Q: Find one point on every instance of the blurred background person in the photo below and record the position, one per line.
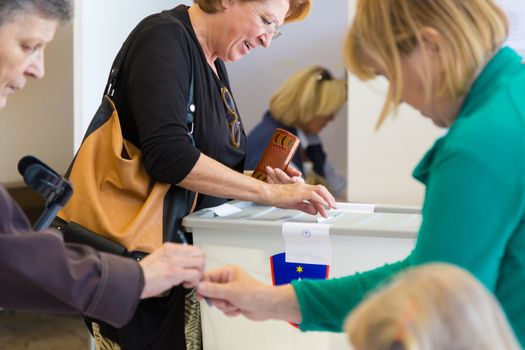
(303, 105)
(434, 306)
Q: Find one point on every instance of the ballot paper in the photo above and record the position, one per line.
(307, 243)
(225, 209)
(364, 208)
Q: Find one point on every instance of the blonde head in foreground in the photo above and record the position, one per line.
(432, 307)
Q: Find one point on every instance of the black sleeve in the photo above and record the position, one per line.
(158, 77)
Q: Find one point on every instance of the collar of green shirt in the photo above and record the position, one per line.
(506, 62)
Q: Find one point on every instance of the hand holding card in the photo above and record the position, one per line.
(278, 153)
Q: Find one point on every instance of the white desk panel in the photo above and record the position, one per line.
(248, 238)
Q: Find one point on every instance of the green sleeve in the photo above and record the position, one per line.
(464, 223)
(325, 304)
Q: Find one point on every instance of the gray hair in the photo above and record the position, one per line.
(61, 10)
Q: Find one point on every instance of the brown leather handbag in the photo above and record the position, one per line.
(114, 196)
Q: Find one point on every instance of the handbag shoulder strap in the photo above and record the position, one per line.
(119, 61)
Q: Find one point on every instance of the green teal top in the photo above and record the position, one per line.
(474, 208)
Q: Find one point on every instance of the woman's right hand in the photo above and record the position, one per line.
(312, 199)
(234, 292)
(171, 265)
(289, 191)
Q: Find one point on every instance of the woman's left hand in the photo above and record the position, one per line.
(277, 176)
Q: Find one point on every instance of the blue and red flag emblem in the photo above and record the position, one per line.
(285, 272)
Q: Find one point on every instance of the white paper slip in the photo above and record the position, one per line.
(307, 243)
(356, 207)
(331, 214)
(225, 209)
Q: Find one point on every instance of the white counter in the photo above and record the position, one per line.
(359, 241)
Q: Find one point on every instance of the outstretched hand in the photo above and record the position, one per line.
(234, 292)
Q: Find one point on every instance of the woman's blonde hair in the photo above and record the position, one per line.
(384, 31)
(435, 306)
(298, 10)
(309, 93)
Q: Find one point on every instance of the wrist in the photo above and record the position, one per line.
(261, 192)
(284, 305)
(267, 193)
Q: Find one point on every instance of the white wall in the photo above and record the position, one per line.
(516, 11)
(39, 119)
(317, 40)
(380, 163)
(101, 27)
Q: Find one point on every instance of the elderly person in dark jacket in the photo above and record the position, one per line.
(38, 272)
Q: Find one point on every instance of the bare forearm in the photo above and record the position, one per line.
(213, 178)
(282, 304)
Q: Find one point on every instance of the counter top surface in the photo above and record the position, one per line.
(385, 221)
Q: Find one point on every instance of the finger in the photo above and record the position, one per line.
(182, 250)
(298, 180)
(322, 210)
(189, 278)
(292, 171)
(188, 263)
(233, 314)
(220, 275)
(282, 176)
(213, 290)
(307, 208)
(229, 308)
(320, 204)
(328, 197)
(271, 177)
(317, 199)
(223, 305)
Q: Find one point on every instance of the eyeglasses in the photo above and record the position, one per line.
(233, 122)
(270, 26)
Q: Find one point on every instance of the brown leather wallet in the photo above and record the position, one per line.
(278, 154)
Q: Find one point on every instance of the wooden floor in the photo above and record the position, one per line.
(19, 331)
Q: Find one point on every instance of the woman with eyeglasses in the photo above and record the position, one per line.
(304, 105)
(167, 52)
(152, 93)
(446, 59)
